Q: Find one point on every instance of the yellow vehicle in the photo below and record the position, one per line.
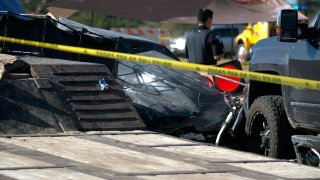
(253, 33)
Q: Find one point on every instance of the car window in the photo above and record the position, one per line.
(226, 32)
(136, 47)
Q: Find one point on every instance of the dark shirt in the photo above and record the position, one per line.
(202, 45)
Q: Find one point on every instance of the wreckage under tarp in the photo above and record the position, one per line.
(167, 100)
(51, 96)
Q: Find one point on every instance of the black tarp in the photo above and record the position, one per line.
(167, 99)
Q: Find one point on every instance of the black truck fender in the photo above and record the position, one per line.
(275, 63)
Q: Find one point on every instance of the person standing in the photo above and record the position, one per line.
(203, 46)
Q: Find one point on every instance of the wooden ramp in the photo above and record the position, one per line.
(134, 155)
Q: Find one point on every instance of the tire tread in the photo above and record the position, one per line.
(280, 129)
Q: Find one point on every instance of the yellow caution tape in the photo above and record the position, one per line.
(165, 38)
(247, 63)
(275, 79)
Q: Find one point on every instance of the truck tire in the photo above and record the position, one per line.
(270, 132)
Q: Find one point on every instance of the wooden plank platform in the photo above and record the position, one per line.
(134, 155)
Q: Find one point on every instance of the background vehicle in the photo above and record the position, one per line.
(227, 34)
(253, 33)
(276, 112)
(178, 45)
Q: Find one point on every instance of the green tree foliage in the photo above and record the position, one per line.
(312, 7)
(35, 6)
(102, 21)
(107, 22)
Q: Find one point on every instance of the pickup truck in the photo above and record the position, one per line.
(276, 112)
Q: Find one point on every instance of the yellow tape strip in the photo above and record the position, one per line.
(275, 79)
(247, 63)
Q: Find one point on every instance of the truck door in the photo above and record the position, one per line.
(305, 103)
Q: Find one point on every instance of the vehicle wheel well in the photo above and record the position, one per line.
(257, 89)
(239, 42)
